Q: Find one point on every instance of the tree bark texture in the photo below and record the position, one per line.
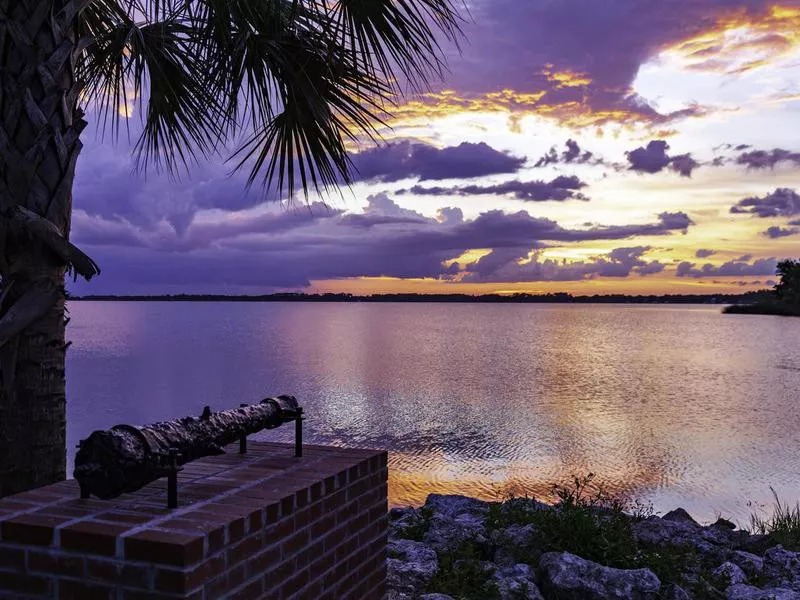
(126, 458)
(40, 125)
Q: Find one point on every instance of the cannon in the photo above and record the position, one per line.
(125, 458)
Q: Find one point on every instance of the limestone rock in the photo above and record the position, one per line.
(749, 592)
(749, 563)
(411, 565)
(514, 544)
(517, 583)
(569, 577)
(730, 573)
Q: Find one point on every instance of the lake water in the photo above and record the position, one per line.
(676, 405)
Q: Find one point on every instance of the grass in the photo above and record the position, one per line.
(463, 576)
(783, 525)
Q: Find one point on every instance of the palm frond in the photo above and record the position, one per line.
(299, 77)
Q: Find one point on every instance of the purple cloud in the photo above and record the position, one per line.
(406, 159)
(654, 158)
(703, 253)
(578, 58)
(269, 249)
(735, 268)
(776, 232)
(783, 202)
(767, 159)
(503, 265)
(561, 188)
(572, 155)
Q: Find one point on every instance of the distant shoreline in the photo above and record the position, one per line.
(763, 308)
(735, 299)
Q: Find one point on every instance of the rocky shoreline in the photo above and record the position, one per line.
(459, 548)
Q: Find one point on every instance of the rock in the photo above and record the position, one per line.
(515, 544)
(725, 524)
(730, 573)
(569, 577)
(675, 592)
(517, 583)
(454, 521)
(661, 533)
(781, 567)
(435, 597)
(680, 515)
(411, 565)
(452, 506)
(748, 592)
(448, 534)
(751, 564)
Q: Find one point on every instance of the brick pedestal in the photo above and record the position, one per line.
(259, 525)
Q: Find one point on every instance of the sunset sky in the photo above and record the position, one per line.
(585, 146)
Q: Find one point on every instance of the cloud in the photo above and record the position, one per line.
(409, 159)
(764, 159)
(779, 232)
(503, 265)
(576, 61)
(654, 158)
(735, 268)
(783, 202)
(271, 249)
(703, 253)
(561, 188)
(572, 155)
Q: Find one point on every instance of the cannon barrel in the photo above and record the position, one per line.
(126, 458)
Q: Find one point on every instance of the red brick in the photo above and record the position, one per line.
(27, 584)
(92, 537)
(295, 583)
(31, 530)
(250, 591)
(164, 547)
(52, 563)
(246, 548)
(79, 590)
(12, 558)
(182, 581)
(295, 543)
(259, 563)
(214, 530)
(118, 573)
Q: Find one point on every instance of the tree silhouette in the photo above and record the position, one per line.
(293, 80)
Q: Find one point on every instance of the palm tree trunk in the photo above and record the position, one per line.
(40, 125)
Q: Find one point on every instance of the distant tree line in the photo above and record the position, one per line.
(783, 300)
(561, 298)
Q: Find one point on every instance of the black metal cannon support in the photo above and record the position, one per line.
(126, 458)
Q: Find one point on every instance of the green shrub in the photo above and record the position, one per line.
(783, 524)
(463, 575)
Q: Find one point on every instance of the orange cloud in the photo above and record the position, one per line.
(739, 42)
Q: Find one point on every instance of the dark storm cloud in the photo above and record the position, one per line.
(654, 158)
(561, 188)
(406, 159)
(278, 250)
(514, 44)
(767, 159)
(783, 202)
(776, 232)
(703, 253)
(735, 268)
(503, 265)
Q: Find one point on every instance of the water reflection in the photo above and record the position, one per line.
(677, 405)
